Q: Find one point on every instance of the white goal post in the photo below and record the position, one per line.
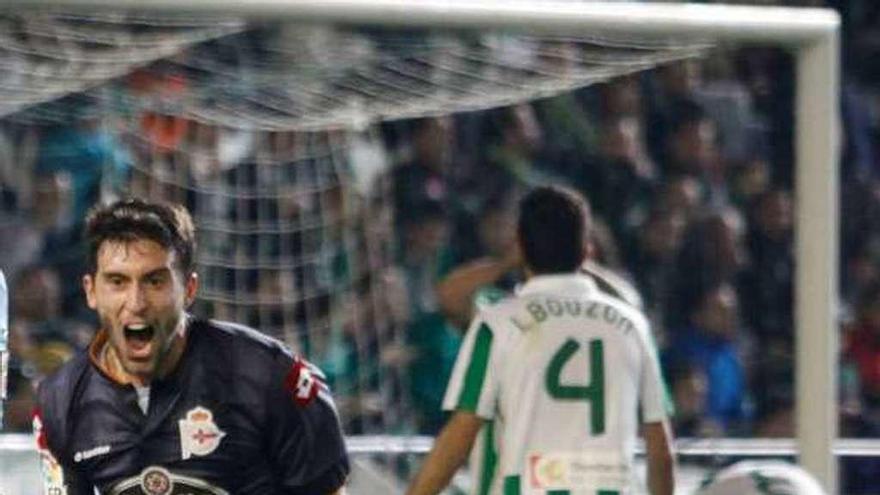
(812, 35)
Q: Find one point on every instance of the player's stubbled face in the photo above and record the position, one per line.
(140, 298)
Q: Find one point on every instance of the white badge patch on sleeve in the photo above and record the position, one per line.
(53, 474)
(199, 435)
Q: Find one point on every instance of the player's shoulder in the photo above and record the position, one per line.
(557, 291)
(499, 310)
(237, 337)
(57, 395)
(57, 389)
(624, 308)
(249, 351)
(612, 283)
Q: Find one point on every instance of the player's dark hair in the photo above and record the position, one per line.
(128, 220)
(553, 228)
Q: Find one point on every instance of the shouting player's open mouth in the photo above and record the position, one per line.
(138, 340)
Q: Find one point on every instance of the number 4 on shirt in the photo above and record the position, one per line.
(594, 392)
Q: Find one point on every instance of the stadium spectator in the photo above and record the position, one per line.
(768, 73)
(570, 130)
(711, 343)
(652, 261)
(767, 282)
(712, 252)
(863, 346)
(426, 176)
(42, 230)
(40, 340)
(773, 379)
(36, 305)
(514, 145)
(329, 339)
(88, 153)
(681, 195)
(749, 180)
(425, 257)
(689, 385)
(691, 149)
(621, 179)
(25, 374)
(492, 273)
(668, 85)
(860, 242)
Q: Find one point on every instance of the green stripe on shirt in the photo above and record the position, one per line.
(476, 371)
(511, 485)
(490, 458)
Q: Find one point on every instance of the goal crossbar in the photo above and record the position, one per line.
(735, 23)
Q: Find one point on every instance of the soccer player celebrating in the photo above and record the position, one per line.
(563, 372)
(164, 403)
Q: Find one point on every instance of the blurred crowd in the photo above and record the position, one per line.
(689, 170)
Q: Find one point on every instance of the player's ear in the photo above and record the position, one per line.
(192, 287)
(88, 282)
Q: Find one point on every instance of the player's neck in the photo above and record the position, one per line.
(175, 352)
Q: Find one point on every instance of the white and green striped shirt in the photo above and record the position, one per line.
(563, 371)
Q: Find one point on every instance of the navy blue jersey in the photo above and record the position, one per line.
(239, 415)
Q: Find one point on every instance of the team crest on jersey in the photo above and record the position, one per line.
(199, 435)
(301, 383)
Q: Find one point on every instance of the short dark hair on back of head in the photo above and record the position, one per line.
(127, 220)
(553, 226)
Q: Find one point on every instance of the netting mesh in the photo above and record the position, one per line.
(227, 72)
(263, 131)
(47, 56)
(288, 246)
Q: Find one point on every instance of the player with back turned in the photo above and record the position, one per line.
(164, 403)
(563, 371)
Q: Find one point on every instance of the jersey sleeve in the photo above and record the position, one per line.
(653, 396)
(305, 438)
(473, 385)
(55, 478)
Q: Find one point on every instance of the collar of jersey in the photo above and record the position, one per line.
(568, 283)
(105, 361)
(101, 359)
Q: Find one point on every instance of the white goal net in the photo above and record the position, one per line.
(263, 130)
